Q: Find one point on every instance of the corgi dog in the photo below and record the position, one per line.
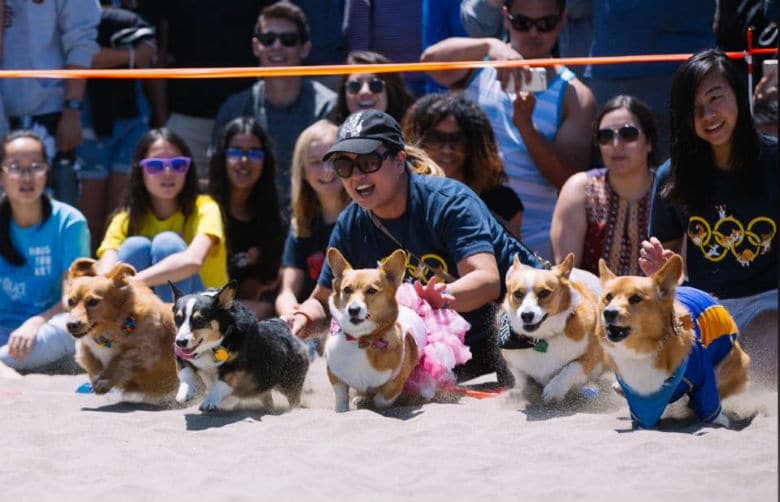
(665, 341)
(238, 358)
(124, 333)
(552, 329)
(376, 347)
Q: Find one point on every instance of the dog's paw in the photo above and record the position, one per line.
(381, 402)
(554, 391)
(185, 393)
(722, 420)
(209, 405)
(618, 389)
(341, 407)
(101, 385)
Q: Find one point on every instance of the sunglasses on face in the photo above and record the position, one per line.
(627, 134)
(437, 139)
(269, 37)
(254, 155)
(178, 165)
(366, 163)
(17, 171)
(544, 24)
(375, 85)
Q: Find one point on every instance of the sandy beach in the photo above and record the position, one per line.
(62, 445)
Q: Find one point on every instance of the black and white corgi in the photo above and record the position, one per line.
(238, 358)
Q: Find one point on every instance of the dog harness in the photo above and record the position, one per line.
(715, 334)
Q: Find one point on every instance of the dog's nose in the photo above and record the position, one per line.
(181, 342)
(610, 315)
(73, 326)
(353, 311)
(527, 316)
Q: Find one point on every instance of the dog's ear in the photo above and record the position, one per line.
(81, 267)
(338, 264)
(605, 274)
(668, 276)
(227, 294)
(120, 272)
(176, 291)
(394, 267)
(563, 269)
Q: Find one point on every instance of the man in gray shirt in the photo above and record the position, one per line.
(284, 106)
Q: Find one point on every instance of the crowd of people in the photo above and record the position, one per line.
(196, 182)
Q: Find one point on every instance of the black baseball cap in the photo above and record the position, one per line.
(365, 131)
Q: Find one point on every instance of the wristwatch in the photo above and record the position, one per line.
(72, 104)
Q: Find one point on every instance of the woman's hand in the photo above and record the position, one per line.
(435, 293)
(652, 256)
(22, 340)
(298, 323)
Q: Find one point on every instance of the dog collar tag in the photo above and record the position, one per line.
(540, 346)
(221, 355)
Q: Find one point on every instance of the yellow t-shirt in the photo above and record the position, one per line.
(206, 218)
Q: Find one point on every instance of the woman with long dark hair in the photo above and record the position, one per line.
(241, 180)
(717, 198)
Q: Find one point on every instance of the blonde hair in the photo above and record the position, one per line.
(305, 203)
(421, 162)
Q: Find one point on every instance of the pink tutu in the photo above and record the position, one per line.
(445, 331)
(440, 351)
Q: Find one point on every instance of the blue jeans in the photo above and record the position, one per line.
(142, 253)
(52, 343)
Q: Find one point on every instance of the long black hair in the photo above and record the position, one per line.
(7, 249)
(263, 201)
(691, 156)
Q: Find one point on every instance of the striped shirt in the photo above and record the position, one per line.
(536, 192)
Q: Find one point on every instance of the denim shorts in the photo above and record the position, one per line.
(102, 156)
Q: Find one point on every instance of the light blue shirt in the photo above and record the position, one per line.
(49, 248)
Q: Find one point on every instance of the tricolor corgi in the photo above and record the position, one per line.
(552, 337)
(666, 341)
(376, 347)
(239, 358)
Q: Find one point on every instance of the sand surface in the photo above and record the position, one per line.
(61, 445)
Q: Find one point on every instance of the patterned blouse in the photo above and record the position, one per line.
(616, 227)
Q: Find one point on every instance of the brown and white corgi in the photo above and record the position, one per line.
(376, 347)
(553, 329)
(666, 341)
(124, 333)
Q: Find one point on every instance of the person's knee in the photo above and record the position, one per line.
(165, 244)
(136, 250)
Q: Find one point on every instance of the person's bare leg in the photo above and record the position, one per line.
(93, 204)
(115, 193)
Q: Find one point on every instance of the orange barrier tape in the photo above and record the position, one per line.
(296, 71)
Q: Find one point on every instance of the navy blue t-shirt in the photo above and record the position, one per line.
(732, 244)
(308, 253)
(445, 222)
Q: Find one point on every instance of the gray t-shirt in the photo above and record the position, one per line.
(315, 102)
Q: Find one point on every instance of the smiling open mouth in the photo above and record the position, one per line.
(186, 353)
(529, 328)
(86, 329)
(617, 333)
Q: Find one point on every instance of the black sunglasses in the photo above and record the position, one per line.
(627, 134)
(544, 24)
(438, 139)
(375, 85)
(366, 163)
(269, 37)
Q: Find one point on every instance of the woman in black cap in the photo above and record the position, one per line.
(465, 252)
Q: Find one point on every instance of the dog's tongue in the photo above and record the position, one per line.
(180, 352)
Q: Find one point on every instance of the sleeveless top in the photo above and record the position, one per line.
(616, 227)
(536, 192)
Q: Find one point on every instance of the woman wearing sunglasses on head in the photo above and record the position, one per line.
(603, 213)
(716, 201)
(241, 180)
(39, 239)
(457, 135)
(164, 228)
(445, 228)
(362, 91)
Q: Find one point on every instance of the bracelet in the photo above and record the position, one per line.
(131, 58)
(446, 291)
